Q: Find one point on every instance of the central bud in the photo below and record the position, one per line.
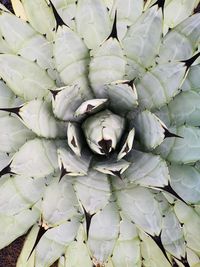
(103, 131)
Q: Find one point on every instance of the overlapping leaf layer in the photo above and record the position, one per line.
(100, 138)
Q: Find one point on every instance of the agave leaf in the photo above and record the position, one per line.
(147, 170)
(191, 222)
(150, 129)
(122, 96)
(77, 252)
(23, 40)
(151, 253)
(7, 98)
(103, 233)
(93, 23)
(192, 81)
(183, 10)
(166, 78)
(20, 193)
(13, 134)
(143, 209)
(72, 165)
(71, 58)
(4, 48)
(107, 64)
(15, 31)
(185, 180)
(138, 49)
(59, 203)
(181, 150)
(74, 138)
(127, 248)
(93, 191)
(37, 116)
(37, 158)
(127, 13)
(54, 242)
(172, 235)
(112, 166)
(25, 252)
(181, 42)
(13, 226)
(65, 101)
(18, 9)
(193, 258)
(40, 16)
(67, 11)
(91, 106)
(26, 79)
(183, 109)
(127, 145)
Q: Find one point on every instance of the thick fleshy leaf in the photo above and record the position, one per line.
(40, 16)
(147, 170)
(107, 65)
(182, 150)
(65, 101)
(18, 9)
(192, 81)
(127, 13)
(191, 222)
(113, 167)
(185, 180)
(93, 191)
(71, 58)
(127, 145)
(139, 205)
(74, 138)
(67, 11)
(13, 226)
(20, 193)
(142, 41)
(15, 31)
(37, 116)
(149, 129)
(183, 109)
(181, 42)
(4, 48)
(13, 134)
(26, 250)
(71, 164)
(193, 258)
(93, 23)
(166, 78)
(4, 159)
(37, 158)
(77, 253)
(22, 39)
(172, 235)
(151, 253)
(54, 242)
(7, 98)
(91, 106)
(103, 131)
(26, 79)
(122, 96)
(183, 10)
(59, 203)
(127, 248)
(103, 233)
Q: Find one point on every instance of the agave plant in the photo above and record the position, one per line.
(100, 138)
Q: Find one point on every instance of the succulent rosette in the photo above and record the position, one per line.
(100, 138)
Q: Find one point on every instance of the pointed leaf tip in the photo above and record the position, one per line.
(59, 20)
(113, 33)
